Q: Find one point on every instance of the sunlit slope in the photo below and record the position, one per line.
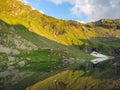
(18, 37)
(61, 31)
(39, 54)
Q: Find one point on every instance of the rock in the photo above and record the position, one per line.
(5, 73)
(28, 59)
(5, 50)
(21, 64)
(11, 67)
(28, 65)
(1, 57)
(10, 64)
(71, 58)
(8, 50)
(11, 59)
(15, 52)
(24, 44)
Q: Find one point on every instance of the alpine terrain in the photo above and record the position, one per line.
(39, 52)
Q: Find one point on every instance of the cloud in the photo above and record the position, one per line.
(93, 9)
(57, 1)
(62, 1)
(80, 21)
(25, 1)
(41, 11)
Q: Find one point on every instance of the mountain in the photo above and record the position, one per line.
(34, 46)
(61, 31)
(23, 52)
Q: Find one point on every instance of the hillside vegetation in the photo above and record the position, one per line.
(61, 31)
(34, 46)
(25, 56)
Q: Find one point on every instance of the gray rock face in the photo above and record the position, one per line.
(11, 77)
(5, 73)
(21, 43)
(8, 50)
(12, 40)
(11, 59)
(15, 41)
(21, 64)
(11, 67)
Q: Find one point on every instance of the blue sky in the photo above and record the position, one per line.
(81, 10)
(61, 11)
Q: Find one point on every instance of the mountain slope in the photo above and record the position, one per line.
(18, 36)
(25, 56)
(34, 46)
(62, 31)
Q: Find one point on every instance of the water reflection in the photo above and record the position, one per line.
(9, 78)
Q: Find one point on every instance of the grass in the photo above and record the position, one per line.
(77, 53)
(46, 30)
(56, 39)
(41, 42)
(41, 61)
(47, 59)
(104, 44)
(3, 61)
(49, 27)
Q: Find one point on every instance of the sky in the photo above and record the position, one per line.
(79, 10)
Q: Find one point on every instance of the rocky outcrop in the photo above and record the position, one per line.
(8, 50)
(10, 41)
(23, 44)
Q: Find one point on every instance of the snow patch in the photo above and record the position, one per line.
(96, 54)
(100, 57)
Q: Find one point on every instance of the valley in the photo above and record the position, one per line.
(39, 52)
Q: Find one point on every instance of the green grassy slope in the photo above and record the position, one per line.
(43, 42)
(40, 55)
(61, 31)
(39, 41)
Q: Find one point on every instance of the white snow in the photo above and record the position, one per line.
(8, 50)
(96, 54)
(100, 58)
